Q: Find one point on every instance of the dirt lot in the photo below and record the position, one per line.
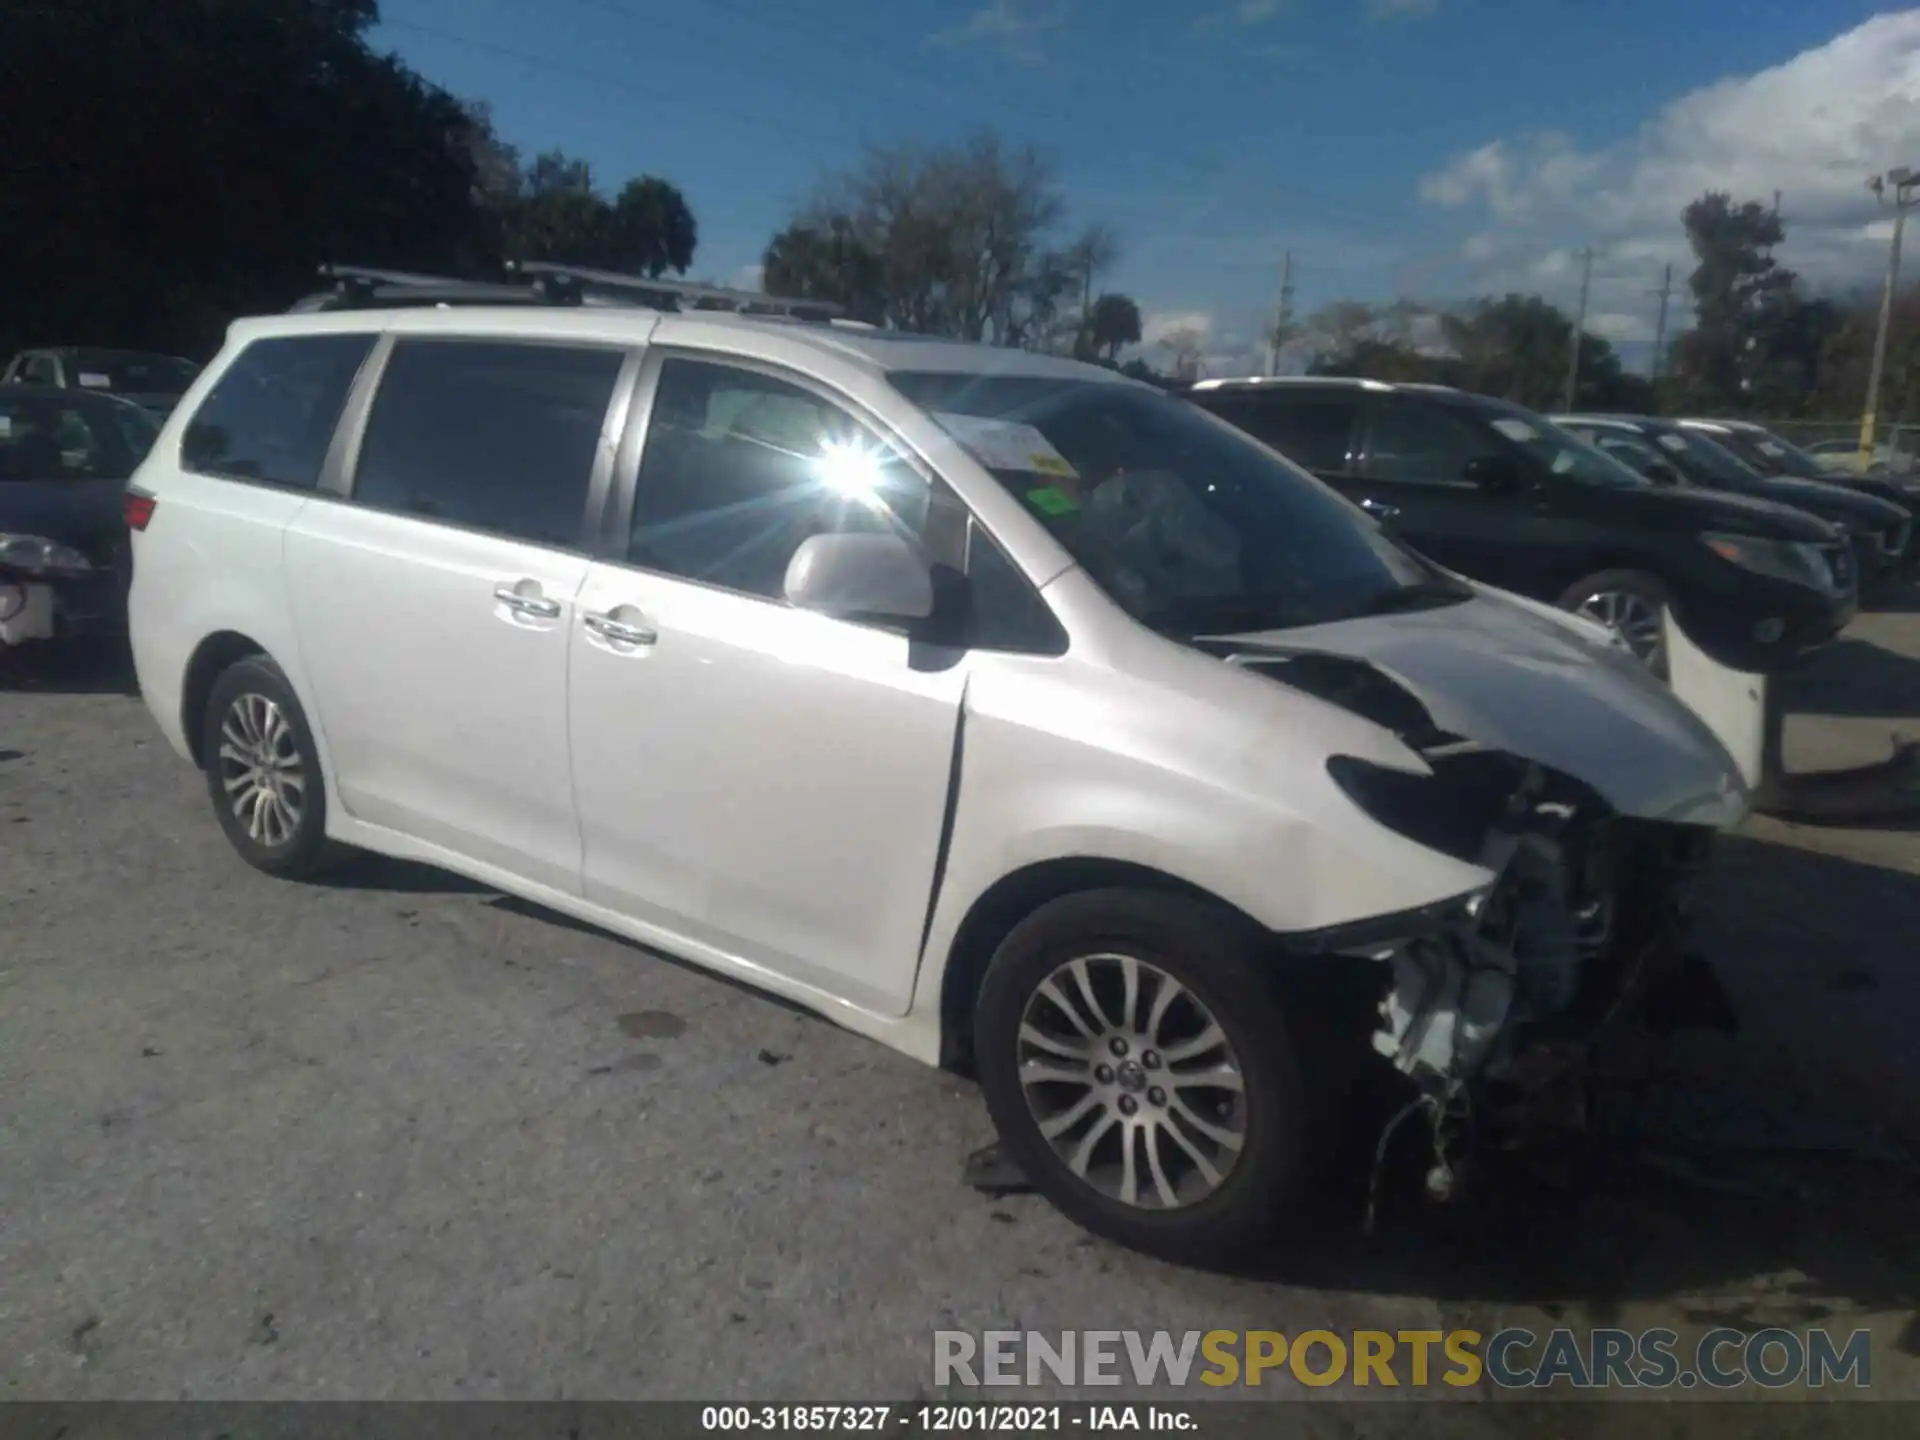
(398, 1136)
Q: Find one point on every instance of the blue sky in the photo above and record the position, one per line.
(1424, 148)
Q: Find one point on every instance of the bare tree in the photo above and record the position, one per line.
(1185, 345)
(960, 237)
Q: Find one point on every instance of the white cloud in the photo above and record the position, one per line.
(1160, 325)
(1812, 128)
(1013, 27)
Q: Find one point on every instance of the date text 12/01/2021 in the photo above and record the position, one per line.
(943, 1419)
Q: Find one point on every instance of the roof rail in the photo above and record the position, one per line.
(680, 294)
(542, 282)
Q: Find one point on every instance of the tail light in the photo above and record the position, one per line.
(137, 508)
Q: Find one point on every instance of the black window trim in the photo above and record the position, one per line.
(610, 547)
(213, 382)
(340, 469)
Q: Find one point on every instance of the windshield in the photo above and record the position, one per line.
(128, 374)
(1560, 451)
(1189, 525)
(1704, 462)
(43, 438)
(1781, 458)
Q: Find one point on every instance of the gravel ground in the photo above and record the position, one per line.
(397, 1136)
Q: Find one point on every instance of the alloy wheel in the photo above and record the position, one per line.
(1132, 1081)
(1634, 618)
(261, 770)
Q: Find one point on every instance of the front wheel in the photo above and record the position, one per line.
(1141, 1073)
(1630, 603)
(263, 770)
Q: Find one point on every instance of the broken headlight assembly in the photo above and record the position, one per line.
(35, 557)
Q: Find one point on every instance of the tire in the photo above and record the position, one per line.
(1632, 586)
(1209, 954)
(252, 705)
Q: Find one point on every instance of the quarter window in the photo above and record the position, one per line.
(740, 468)
(495, 436)
(271, 415)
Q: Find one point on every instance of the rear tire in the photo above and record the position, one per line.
(1165, 1111)
(1631, 603)
(263, 771)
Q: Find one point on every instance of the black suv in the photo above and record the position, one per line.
(1502, 495)
(1667, 452)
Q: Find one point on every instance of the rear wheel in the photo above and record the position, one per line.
(1630, 603)
(263, 771)
(1141, 1073)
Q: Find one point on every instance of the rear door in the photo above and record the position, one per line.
(435, 603)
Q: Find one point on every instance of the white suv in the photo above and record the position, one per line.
(1007, 711)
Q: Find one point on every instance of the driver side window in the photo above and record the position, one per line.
(1423, 444)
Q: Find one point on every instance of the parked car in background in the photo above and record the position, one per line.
(1501, 494)
(1844, 456)
(154, 382)
(1771, 455)
(65, 456)
(1880, 530)
(1006, 710)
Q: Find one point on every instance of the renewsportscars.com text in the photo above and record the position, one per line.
(1722, 1359)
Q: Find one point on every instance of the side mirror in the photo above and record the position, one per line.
(860, 577)
(1493, 472)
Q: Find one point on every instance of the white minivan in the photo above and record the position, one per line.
(995, 706)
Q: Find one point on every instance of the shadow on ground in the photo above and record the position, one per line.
(92, 667)
(1755, 1167)
(1856, 677)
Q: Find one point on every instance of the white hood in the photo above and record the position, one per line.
(1491, 670)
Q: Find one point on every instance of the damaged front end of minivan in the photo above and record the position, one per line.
(1497, 1009)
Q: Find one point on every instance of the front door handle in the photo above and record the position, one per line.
(538, 606)
(618, 631)
(1379, 509)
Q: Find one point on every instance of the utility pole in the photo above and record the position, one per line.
(1665, 292)
(1579, 324)
(1282, 317)
(1904, 182)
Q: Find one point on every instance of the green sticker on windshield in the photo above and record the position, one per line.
(1052, 500)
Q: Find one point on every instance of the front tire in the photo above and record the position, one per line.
(263, 771)
(1632, 604)
(1140, 1071)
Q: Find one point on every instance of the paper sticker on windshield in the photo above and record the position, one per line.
(1051, 500)
(1515, 429)
(1672, 443)
(96, 382)
(1006, 445)
(1767, 447)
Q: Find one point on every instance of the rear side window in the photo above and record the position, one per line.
(1311, 431)
(491, 435)
(271, 415)
(1424, 444)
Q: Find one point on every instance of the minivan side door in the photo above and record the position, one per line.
(434, 602)
(766, 782)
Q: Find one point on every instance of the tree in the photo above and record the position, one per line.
(960, 236)
(1739, 292)
(827, 261)
(202, 157)
(1185, 345)
(651, 229)
(1113, 323)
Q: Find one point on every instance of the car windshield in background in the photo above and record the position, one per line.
(49, 438)
(1701, 460)
(1562, 453)
(127, 374)
(1193, 528)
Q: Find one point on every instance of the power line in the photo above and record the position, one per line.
(1579, 324)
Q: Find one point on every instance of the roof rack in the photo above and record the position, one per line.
(540, 282)
(679, 294)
